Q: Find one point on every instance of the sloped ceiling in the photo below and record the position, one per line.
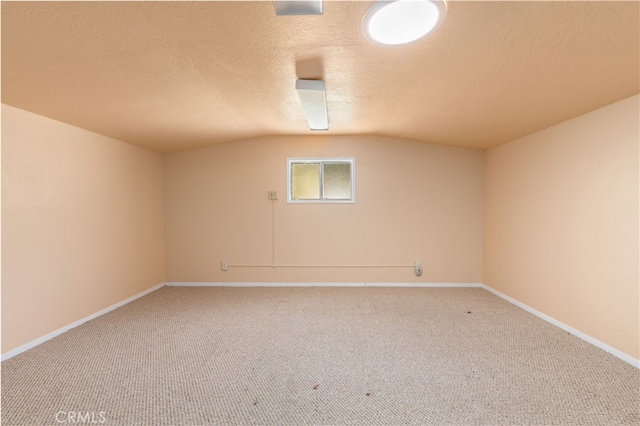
(177, 75)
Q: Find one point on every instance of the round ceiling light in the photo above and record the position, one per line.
(402, 21)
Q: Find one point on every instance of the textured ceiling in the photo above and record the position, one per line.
(177, 75)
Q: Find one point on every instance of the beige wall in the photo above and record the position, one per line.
(415, 201)
(82, 224)
(561, 223)
(86, 219)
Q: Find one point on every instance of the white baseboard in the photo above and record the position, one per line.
(59, 331)
(324, 284)
(613, 351)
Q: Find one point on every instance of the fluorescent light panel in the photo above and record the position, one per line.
(314, 103)
(299, 7)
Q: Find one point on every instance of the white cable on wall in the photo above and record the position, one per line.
(417, 266)
(319, 266)
(273, 232)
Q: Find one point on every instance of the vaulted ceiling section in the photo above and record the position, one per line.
(176, 75)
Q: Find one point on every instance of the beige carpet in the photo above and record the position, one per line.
(298, 356)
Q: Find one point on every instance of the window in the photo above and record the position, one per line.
(321, 180)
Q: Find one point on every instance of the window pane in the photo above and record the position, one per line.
(337, 181)
(305, 181)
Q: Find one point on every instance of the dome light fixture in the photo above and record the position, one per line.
(402, 21)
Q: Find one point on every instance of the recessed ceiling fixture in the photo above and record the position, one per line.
(298, 7)
(314, 102)
(402, 21)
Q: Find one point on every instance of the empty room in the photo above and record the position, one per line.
(399, 212)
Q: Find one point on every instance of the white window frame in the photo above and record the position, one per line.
(323, 160)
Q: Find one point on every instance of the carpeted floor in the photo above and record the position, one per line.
(299, 356)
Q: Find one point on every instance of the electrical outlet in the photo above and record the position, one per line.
(224, 265)
(418, 268)
(273, 195)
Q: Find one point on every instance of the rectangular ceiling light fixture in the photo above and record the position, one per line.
(314, 102)
(299, 7)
